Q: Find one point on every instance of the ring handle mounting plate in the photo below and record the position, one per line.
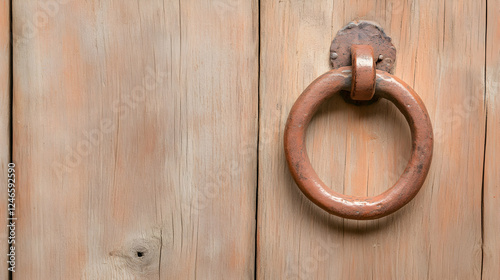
(363, 33)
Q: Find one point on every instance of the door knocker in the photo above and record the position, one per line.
(372, 56)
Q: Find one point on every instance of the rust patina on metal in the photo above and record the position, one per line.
(359, 208)
(363, 73)
(363, 33)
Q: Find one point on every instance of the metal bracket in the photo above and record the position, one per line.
(363, 33)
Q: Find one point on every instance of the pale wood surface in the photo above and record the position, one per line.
(108, 172)
(491, 211)
(4, 124)
(441, 51)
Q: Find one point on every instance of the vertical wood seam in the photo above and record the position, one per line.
(159, 257)
(258, 141)
(485, 131)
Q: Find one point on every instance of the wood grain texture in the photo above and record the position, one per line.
(5, 78)
(136, 131)
(363, 150)
(491, 196)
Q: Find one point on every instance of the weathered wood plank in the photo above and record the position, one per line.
(491, 196)
(5, 78)
(129, 123)
(363, 151)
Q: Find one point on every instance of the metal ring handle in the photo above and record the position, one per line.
(359, 208)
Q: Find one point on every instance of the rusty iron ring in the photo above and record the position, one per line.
(363, 72)
(351, 207)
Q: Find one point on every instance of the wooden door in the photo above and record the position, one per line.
(148, 140)
(129, 121)
(363, 150)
